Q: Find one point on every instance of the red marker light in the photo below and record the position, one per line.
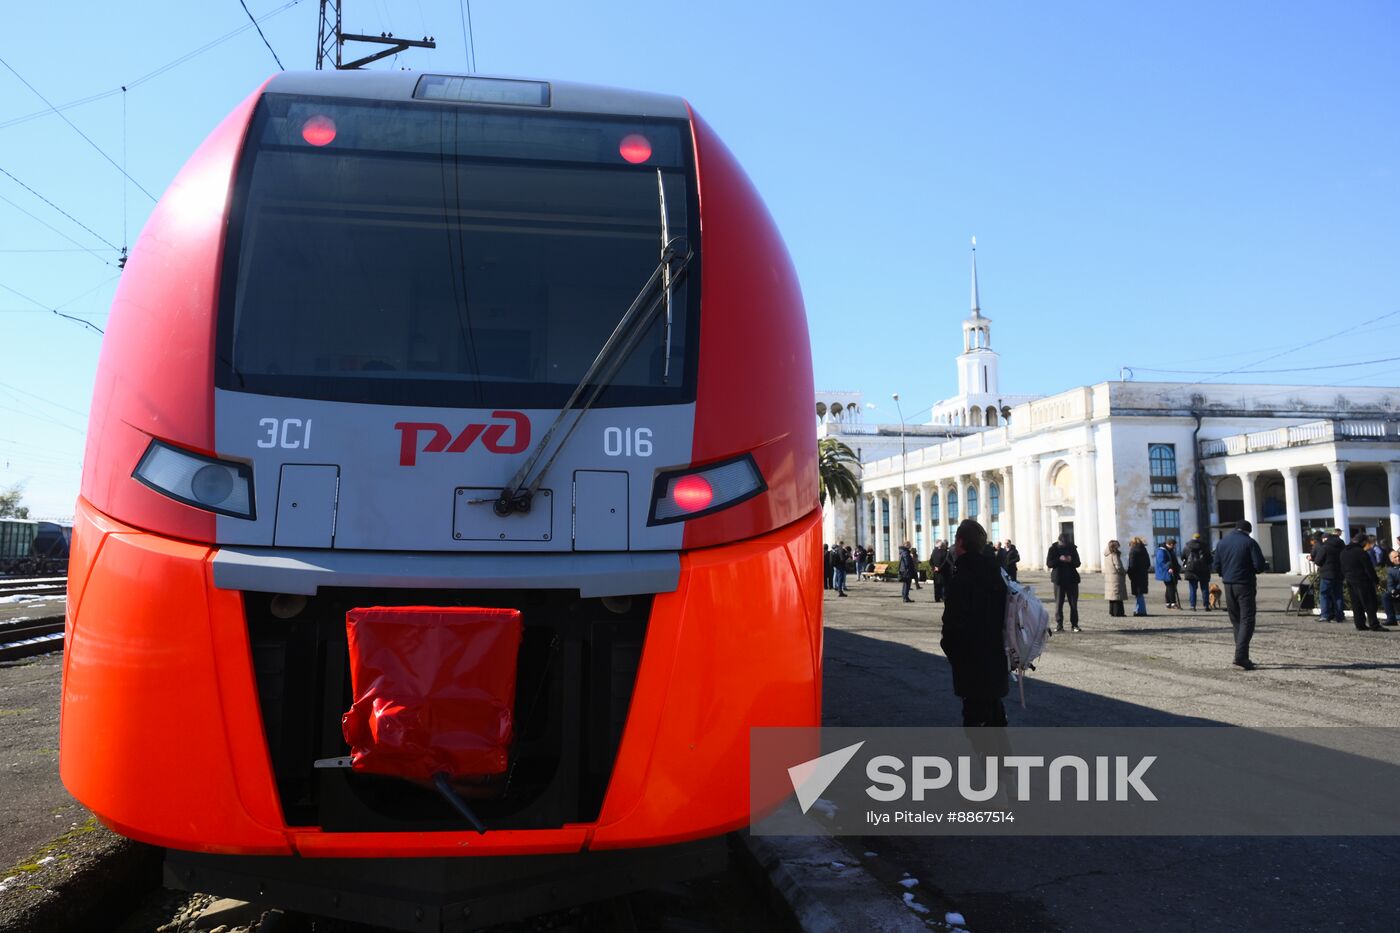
(635, 148)
(318, 131)
(692, 493)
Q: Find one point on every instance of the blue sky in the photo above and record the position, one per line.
(1186, 186)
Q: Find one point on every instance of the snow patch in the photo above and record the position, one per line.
(954, 919)
(872, 855)
(909, 882)
(825, 807)
(914, 905)
(17, 598)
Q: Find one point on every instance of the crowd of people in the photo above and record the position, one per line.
(839, 562)
(967, 574)
(1355, 567)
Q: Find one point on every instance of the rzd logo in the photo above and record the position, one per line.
(491, 436)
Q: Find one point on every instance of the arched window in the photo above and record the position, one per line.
(975, 417)
(918, 515)
(972, 502)
(991, 417)
(953, 510)
(1161, 459)
(933, 508)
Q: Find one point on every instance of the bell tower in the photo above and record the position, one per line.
(977, 364)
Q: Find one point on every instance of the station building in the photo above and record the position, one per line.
(1118, 459)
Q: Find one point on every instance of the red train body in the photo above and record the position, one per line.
(206, 659)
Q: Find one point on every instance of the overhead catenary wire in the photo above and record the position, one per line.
(174, 63)
(10, 175)
(100, 151)
(40, 220)
(6, 385)
(1263, 372)
(69, 317)
(261, 35)
(1248, 368)
(464, 12)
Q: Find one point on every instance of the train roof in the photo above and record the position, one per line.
(563, 96)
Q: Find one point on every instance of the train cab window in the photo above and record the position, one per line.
(421, 254)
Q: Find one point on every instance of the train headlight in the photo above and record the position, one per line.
(682, 494)
(194, 479)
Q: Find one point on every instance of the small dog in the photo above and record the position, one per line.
(1215, 596)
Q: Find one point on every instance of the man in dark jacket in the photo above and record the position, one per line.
(827, 567)
(1327, 557)
(1391, 590)
(1012, 558)
(1239, 561)
(1360, 576)
(973, 634)
(1061, 561)
(940, 568)
(907, 569)
(1195, 567)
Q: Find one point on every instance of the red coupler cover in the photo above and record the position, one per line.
(434, 689)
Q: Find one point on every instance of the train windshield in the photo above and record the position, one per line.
(454, 256)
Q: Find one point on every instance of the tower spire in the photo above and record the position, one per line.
(976, 310)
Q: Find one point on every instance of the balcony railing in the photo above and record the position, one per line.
(1297, 435)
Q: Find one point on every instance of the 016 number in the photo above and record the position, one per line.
(627, 442)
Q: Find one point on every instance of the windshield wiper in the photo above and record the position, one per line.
(665, 278)
(518, 493)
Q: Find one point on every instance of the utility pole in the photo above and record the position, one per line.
(330, 40)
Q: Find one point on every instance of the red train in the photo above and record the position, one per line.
(424, 345)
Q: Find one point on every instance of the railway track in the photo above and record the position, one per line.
(25, 637)
(30, 637)
(33, 586)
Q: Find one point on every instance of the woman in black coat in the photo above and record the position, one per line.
(973, 638)
(1139, 569)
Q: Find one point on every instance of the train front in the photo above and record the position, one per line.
(450, 469)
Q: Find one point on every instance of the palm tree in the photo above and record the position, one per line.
(834, 460)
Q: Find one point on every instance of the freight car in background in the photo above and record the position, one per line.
(33, 548)
(450, 494)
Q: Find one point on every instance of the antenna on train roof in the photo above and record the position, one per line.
(330, 41)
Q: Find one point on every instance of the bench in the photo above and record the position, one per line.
(880, 572)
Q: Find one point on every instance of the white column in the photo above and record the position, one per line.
(1251, 501)
(867, 520)
(1340, 513)
(1293, 520)
(1033, 513)
(984, 501)
(878, 541)
(1392, 476)
(910, 531)
(1212, 504)
(1008, 505)
(896, 497)
(960, 485)
(1086, 510)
